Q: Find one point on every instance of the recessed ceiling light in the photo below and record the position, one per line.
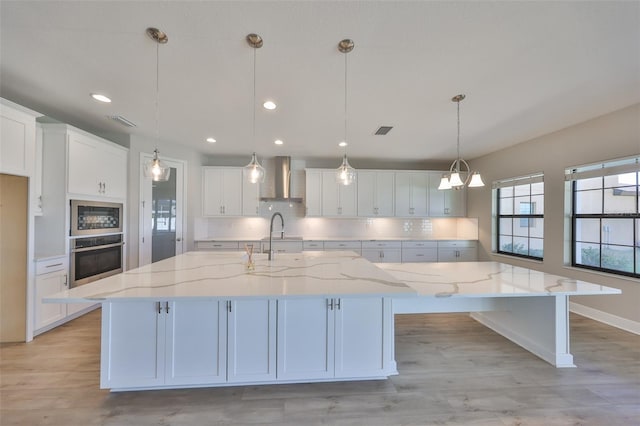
(211, 140)
(278, 142)
(269, 105)
(100, 98)
(342, 144)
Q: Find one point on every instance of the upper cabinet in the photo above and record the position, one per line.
(446, 203)
(313, 192)
(375, 193)
(222, 191)
(337, 200)
(412, 189)
(97, 168)
(250, 198)
(17, 139)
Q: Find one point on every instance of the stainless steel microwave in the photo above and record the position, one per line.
(95, 217)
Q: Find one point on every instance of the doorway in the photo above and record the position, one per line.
(161, 213)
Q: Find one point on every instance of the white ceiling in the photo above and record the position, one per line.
(527, 68)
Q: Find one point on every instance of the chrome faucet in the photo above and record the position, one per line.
(271, 232)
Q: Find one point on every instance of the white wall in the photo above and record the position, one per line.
(611, 136)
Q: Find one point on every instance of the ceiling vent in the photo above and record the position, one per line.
(120, 119)
(383, 130)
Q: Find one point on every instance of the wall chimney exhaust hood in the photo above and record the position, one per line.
(282, 181)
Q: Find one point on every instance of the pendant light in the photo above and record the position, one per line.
(454, 179)
(154, 168)
(254, 172)
(345, 174)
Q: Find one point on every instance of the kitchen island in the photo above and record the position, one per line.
(206, 319)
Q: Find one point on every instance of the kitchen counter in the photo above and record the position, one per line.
(224, 275)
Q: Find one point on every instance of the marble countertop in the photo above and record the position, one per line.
(204, 274)
(487, 279)
(276, 236)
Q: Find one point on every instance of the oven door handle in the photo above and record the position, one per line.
(80, 250)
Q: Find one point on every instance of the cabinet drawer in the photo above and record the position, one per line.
(217, 245)
(53, 264)
(419, 244)
(457, 243)
(419, 255)
(342, 245)
(280, 246)
(313, 245)
(373, 244)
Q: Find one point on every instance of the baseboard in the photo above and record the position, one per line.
(606, 318)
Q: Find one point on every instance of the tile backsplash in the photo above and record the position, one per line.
(296, 224)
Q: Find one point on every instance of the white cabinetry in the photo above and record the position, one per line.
(326, 338)
(51, 278)
(17, 139)
(222, 191)
(337, 200)
(457, 251)
(313, 192)
(448, 202)
(411, 193)
(343, 245)
(282, 246)
(197, 342)
(313, 245)
(96, 168)
(250, 198)
(382, 251)
(375, 193)
(419, 251)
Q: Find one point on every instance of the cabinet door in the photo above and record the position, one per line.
(445, 203)
(348, 198)
(305, 339)
(46, 285)
(403, 194)
(251, 340)
(359, 350)
(367, 194)
(17, 141)
(132, 334)
(313, 192)
(250, 198)
(212, 191)
(84, 158)
(447, 255)
(372, 255)
(420, 194)
(232, 192)
(196, 342)
(113, 172)
(467, 254)
(384, 193)
(330, 195)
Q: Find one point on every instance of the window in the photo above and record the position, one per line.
(605, 216)
(520, 216)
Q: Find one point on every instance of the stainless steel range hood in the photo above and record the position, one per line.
(282, 181)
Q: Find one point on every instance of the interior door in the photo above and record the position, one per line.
(161, 213)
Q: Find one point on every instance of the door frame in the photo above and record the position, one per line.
(145, 237)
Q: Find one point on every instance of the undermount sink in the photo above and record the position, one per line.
(276, 236)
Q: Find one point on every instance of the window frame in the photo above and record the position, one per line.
(512, 183)
(634, 217)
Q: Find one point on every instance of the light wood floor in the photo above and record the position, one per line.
(453, 371)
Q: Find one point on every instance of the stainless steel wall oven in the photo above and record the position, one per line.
(95, 217)
(93, 258)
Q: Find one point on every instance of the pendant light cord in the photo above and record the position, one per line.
(345, 104)
(253, 105)
(157, 94)
(458, 144)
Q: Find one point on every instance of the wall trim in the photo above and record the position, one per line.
(605, 317)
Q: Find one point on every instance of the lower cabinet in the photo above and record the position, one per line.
(321, 338)
(382, 251)
(147, 344)
(187, 343)
(51, 278)
(457, 251)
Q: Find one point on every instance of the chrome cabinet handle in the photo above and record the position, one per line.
(166, 305)
(330, 304)
(159, 304)
(338, 303)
